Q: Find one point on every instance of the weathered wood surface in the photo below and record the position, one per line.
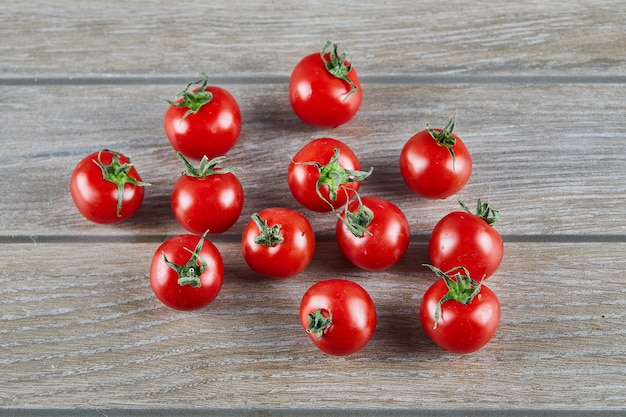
(540, 92)
(145, 38)
(551, 159)
(89, 332)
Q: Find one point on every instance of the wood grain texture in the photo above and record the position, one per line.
(88, 332)
(539, 90)
(246, 37)
(552, 157)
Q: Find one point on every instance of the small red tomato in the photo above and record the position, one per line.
(324, 89)
(469, 240)
(106, 187)
(187, 272)
(373, 233)
(278, 243)
(207, 199)
(322, 174)
(435, 163)
(338, 315)
(459, 314)
(205, 121)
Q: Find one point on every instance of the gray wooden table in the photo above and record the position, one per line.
(539, 89)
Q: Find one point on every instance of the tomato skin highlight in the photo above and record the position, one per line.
(352, 311)
(302, 176)
(164, 280)
(97, 199)
(385, 240)
(319, 98)
(461, 328)
(211, 132)
(286, 259)
(462, 238)
(212, 204)
(428, 168)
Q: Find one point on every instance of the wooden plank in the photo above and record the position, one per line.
(247, 37)
(85, 329)
(548, 156)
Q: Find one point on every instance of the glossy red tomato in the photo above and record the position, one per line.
(465, 239)
(324, 175)
(187, 272)
(207, 199)
(278, 243)
(463, 322)
(338, 315)
(435, 163)
(373, 233)
(324, 89)
(106, 187)
(204, 121)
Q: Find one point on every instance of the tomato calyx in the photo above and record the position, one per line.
(194, 99)
(118, 174)
(338, 66)
(189, 274)
(483, 211)
(461, 287)
(319, 322)
(334, 175)
(357, 221)
(269, 236)
(207, 167)
(444, 137)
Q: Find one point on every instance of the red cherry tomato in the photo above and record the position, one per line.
(338, 315)
(459, 314)
(187, 272)
(106, 187)
(435, 163)
(278, 243)
(373, 233)
(205, 121)
(324, 174)
(465, 239)
(324, 89)
(207, 199)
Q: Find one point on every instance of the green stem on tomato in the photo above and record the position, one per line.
(189, 274)
(444, 138)
(193, 100)
(318, 322)
(207, 167)
(269, 236)
(483, 211)
(461, 288)
(357, 221)
(334, 175)
(338, 66)
(118, 174)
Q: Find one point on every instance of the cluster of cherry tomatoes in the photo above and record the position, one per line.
(458, 312)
